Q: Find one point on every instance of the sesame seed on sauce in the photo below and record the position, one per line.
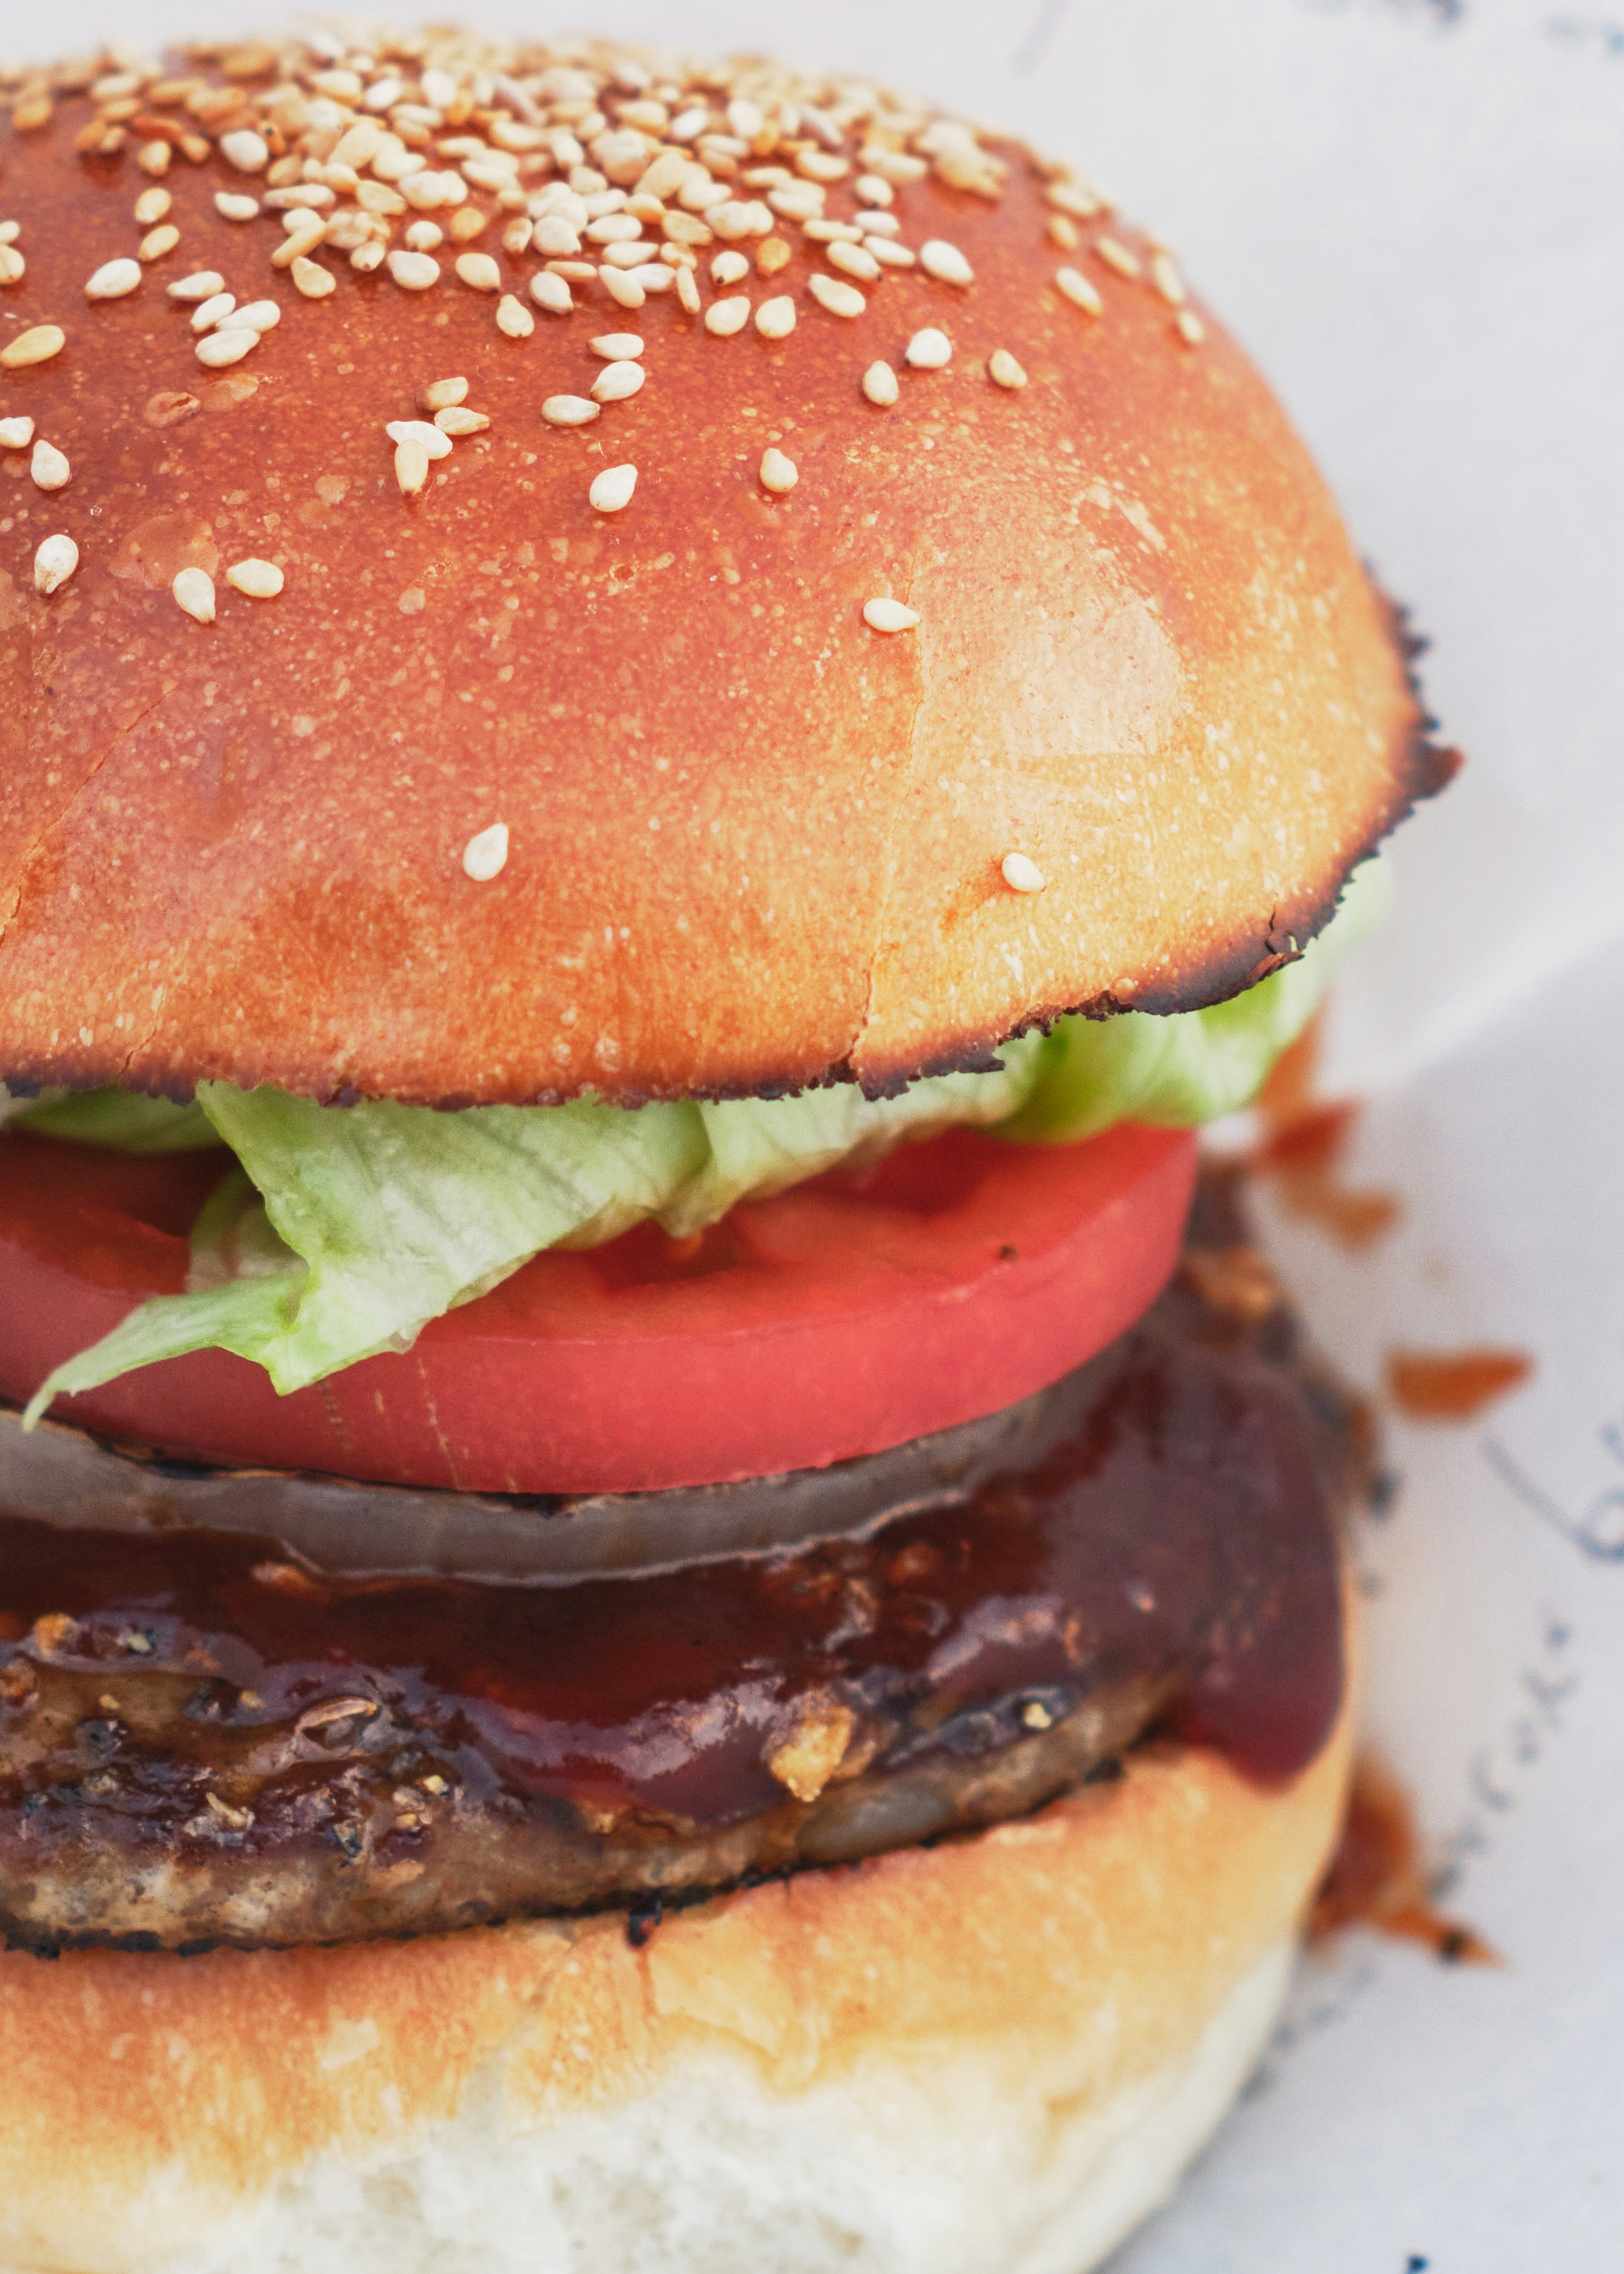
(1116, 256)
(551, 292)
(1164, 274)
(413, 272)
(48, 467)
(840, 299)
(442, 394)
(158, 242)
(1078, 290)
(775, 319)
(429, 438)
(616, 347)
(879, 384)
(1190, 326)
(514, 317)
(255, 579)
(688, 291)
(219, 348)
(311, 280)
(13, 268)
(16, 433)
(723, 318)
(411, 467)
(232, 205)
(1020, 873)
(930, 350)
(779, 473)
(883, 616)
(945, 262)
(260, 315)
(456, 421)
(152, 205)
(54, 563)
(214, 311)
(1004, 370)
(612, 490)
(568, 410)
(618, 381)
(113, 280)
(194, 593)
(37, 345)
(203, 285)
(486, 855)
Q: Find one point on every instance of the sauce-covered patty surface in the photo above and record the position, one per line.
(204, 1737)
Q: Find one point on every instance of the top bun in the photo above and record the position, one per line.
(752, 842)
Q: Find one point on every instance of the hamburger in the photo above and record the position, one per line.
(667, 1595)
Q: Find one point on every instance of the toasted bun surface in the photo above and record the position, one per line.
(990, 2056)
(751, 841)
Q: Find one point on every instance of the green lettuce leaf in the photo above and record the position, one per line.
(346, 1229)
(121, 1118)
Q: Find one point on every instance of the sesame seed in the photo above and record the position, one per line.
(411, 467)
(455, 420)
(945, 262)
(194, 591)
(1078, 290)
(890, 255)
(930, 350)
(1004, 371)
(1020, 874)
(833, 232)
(256, 580)
(262, 315)
(1071, 199)
(368, 257)
(618, 380)
(728, 268)
(621, 287)
(615, 229)
(312, 279)
(426, 236)
(1190, 328)
(113, 280)
(654, 277)
(308, 236)
(853, 260)
(1064, 232)
(723, 318)
(775, 320)
(48, 467)
(1165, 277)
(159, 241)
(840, 299)
(514, 317)
(568, 410)
(207, 314)
(874, 190)
(1118, 256)
(53, 564)
(16, 433)
(479, 272)
(779, 473)
(551, 292)
(879, 384)
(152, 205)
(888, 616)
(486, 855)
(233, 207)
(428, 438)
(13, 268)
(202, 286)
(413, 272)
(441, 393)
(230, 345)
(688, 291)
(553, 236)
(613, 489)
(245, 150)
(616, 347)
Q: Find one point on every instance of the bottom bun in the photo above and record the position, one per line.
(989, 2057)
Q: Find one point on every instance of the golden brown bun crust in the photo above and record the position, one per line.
(1075, 1953)
(754, 843)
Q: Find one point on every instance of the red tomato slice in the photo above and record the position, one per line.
(847, 1315)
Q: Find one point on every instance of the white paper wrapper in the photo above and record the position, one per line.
(1413, 211)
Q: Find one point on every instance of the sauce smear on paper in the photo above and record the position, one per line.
(1376, 1879)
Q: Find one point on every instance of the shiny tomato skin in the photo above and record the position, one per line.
(846, 1315)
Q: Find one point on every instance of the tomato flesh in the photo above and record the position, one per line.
(849, 1314)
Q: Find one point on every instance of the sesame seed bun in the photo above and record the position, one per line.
(989, 2057)
(785, 720)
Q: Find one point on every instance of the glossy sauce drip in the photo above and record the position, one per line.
(1179, 1536)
